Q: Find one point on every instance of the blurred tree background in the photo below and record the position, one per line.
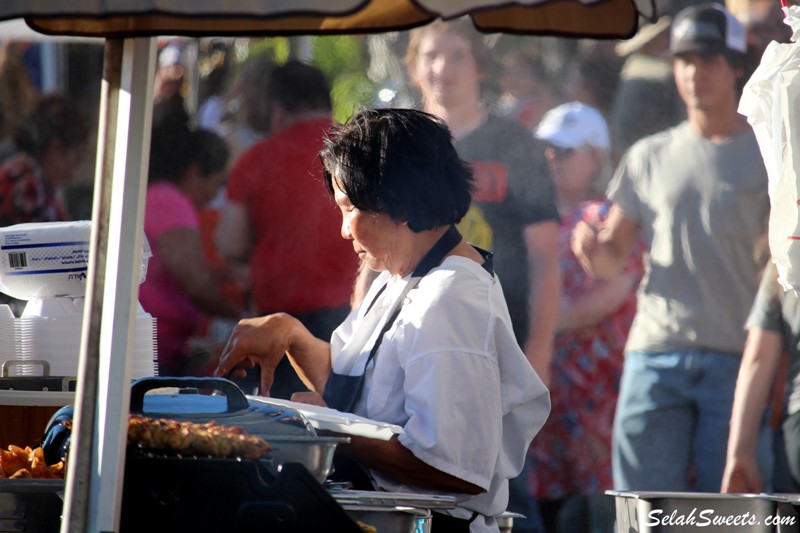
(344, 59)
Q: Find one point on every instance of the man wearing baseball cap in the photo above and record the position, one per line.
(697, 194)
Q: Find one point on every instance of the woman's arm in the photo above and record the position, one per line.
(233, 237)
(760, 363)
(181, 250)
(396, 461)
(544, 295)
(392, 458)
(265, 340)
(593, 306)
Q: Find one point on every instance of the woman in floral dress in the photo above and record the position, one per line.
(570, 460)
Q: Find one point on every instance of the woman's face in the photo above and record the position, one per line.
(377, 239)
(574, 170)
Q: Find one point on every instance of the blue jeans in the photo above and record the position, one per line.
(672, 418)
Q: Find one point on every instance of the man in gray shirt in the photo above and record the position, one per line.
(697, 195)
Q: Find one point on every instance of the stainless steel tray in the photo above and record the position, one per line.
(315, 453)
(392, 499)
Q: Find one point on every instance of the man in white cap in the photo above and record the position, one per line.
(697, 194)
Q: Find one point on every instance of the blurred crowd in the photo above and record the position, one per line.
(627, 276)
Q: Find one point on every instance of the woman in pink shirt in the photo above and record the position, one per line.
(187, 168)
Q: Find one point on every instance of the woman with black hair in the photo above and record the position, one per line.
(431, 347)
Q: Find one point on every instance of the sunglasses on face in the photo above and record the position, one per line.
(562, 153)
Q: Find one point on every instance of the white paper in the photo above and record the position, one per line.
(325, 418)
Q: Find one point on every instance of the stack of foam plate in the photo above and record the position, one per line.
(50, 330)
(46, 264)
(145, 354)
(8, 340)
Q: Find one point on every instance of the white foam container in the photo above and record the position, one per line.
(48, 259)
(44, 260)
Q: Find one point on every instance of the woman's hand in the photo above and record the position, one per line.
(257, 341)
(583, 242)
(742, 476)
(265, 341)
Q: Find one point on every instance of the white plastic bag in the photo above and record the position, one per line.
(771, 103)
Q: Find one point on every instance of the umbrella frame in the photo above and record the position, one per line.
(94, 480)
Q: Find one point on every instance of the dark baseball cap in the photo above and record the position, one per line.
(707, 29)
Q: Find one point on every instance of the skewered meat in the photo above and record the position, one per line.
(194, 439)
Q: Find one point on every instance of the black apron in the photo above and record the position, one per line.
(342, 392)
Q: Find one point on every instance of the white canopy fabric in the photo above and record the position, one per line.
(18, 30)
(123, 18)
(96, 465)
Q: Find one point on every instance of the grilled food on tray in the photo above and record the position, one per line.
(194, 439)
(28, 463)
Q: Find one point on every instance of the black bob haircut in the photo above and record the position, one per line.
(401, 162)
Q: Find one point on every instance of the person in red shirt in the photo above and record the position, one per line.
(279, 217)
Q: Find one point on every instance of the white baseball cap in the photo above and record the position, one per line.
(573, 125)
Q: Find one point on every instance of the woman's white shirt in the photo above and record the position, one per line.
(449, 371)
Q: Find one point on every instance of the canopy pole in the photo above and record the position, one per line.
(95, 472)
